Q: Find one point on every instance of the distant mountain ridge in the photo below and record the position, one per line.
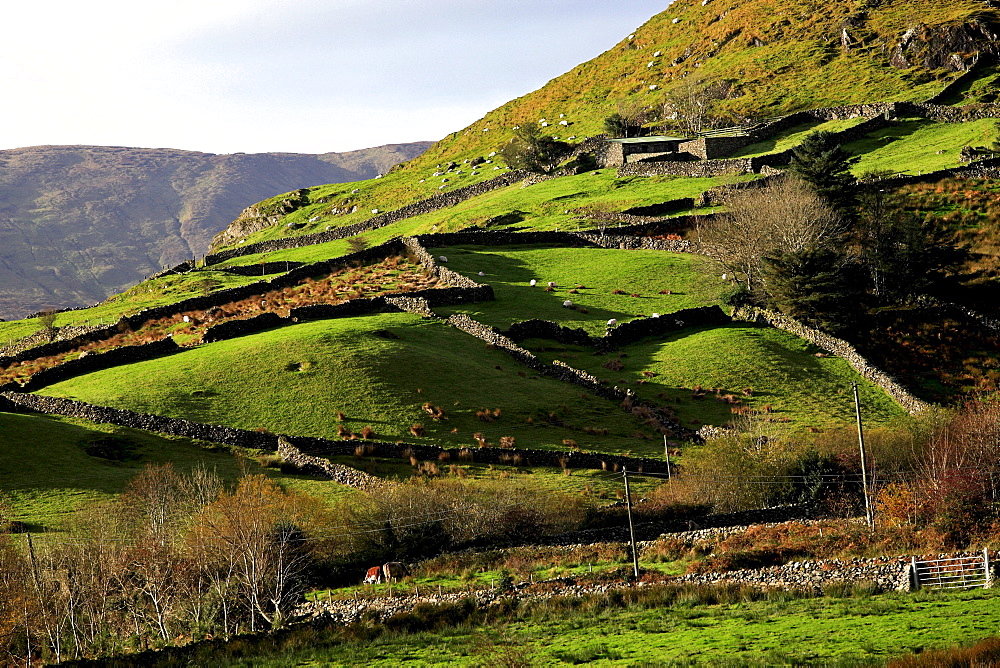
(80, 223)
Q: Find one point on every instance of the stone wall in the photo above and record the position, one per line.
(694, 169)
(886, 573)
(99, 361)
(262, 268)
(639, 328)
(566, 373)
(662, 208)
(435, 203)
(838, 347)
(710, 148)
(16, 402)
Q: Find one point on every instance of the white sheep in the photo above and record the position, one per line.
(355, 191)
(532, 282)
(443, 258)
(552, 284)
(374, 210)
(655, 315)
(482, 273)
(563, 122)
(567, 304)
(545, 125)
(612, 323)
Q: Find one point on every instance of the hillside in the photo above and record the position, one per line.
(771, 58)
(81, 223)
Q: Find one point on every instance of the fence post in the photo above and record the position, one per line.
(986, 567)
(914, 578)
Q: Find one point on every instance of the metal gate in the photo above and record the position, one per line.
(952, 572)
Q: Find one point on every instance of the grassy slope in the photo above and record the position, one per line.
(792, 137)
(47, 474)
(781, 369)
(914, 146)
(509, 270)
(799, 66)
(156, 292)
(376, 381)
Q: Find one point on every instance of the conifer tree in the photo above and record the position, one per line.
(816, 284)
(821, 162)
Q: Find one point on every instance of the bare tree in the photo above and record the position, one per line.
(690, 104)
(782, 217)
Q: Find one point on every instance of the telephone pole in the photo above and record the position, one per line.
(864, 459)
(631, 529)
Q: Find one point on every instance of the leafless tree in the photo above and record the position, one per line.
(784, 216)
(690, 104)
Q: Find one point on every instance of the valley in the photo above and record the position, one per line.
(602, 411)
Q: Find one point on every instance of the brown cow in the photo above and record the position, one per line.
(394, 570)
(374, 575)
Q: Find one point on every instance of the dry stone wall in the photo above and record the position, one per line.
(435, 203)
(99, 361)
(17, 402)
(838, 347)
(886, 573)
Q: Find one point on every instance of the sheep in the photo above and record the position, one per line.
(563, 122)
(655, 315)
(552, 284)
(314, 219)
(532, 282)
(657, 54)
(443, 258)
(612, 323)
(545, 125)
(374, 210)
(567, 304)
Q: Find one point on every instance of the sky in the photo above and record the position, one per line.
(303, 76)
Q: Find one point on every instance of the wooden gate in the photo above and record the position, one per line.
(952, 572)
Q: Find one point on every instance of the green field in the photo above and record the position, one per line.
(647, 628)
(47, 473)
(792, 137)
(781, 369)
(920, 146)
(156, 292)
(295, 379)
(645, 273)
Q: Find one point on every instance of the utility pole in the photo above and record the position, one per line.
(864, 459)
(666, 453)
(631, 529)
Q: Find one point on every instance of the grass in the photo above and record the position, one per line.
(792, 137)
(920, 146)
(601, 271)
(548, 205)
(652, 627)
(569, 203)
(782, 371)
(47, 473)
(295, 379)
(155, 292)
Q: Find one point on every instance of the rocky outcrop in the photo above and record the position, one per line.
(951, 47)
